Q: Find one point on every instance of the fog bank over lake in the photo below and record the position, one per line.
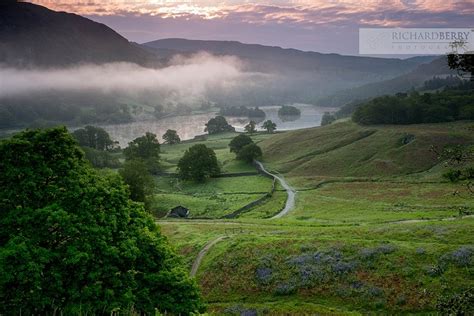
(189, 126)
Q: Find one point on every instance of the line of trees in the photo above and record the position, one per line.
(445, 106)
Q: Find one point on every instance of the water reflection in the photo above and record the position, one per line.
(190, 126)
(289, 118)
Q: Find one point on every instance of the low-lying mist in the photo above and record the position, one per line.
(186, 80)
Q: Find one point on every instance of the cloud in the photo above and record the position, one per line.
(185, 80)
(321, 25)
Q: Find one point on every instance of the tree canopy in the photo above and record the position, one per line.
(198, 163)
(270, 126)
(93, 137)
(249, 153)
(327, 119)
(136, 175)
(445, 106)
(218, 125)
(251, 127)
(146, 148)
(171, 137)
(72, 242)
(238, 142)
(289, 110)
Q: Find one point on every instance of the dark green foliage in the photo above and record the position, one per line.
(463, 63)
(289, 111)
(101, 159)
(71, 242)
(249, 153)
(238, 142)
(269, 126)
(446, 106)
(437, 82)
(242, 111)
(93, 137)
(198, 163)
(146, 148)
(327, 119)
(460, 159)
(135, 174)
(171, 137)
(218, 125)
(250, 127)
(256, 112)
(458, 304)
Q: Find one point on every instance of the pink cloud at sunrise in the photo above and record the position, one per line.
(322, 25)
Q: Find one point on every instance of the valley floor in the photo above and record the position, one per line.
(359, 240)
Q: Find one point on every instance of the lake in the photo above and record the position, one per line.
(189, 126)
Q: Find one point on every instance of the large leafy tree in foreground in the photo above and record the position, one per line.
(72, 242)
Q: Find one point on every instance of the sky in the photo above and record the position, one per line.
(328, 26)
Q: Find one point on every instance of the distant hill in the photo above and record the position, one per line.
(32, 35)
(403, 83)
(299, 76)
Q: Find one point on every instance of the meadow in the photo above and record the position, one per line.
(375, 228)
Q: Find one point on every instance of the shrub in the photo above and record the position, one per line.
(264, 275)
(457, 304)
(287, 288)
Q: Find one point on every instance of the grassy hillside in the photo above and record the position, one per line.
(349, 150)
(374, 230)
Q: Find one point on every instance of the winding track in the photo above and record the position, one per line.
(289, 205)
(290, 201)
(202, 253)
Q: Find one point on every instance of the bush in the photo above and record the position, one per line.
(457, 304)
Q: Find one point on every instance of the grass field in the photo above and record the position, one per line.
(374, 229)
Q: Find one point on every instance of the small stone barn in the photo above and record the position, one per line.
(178, 212)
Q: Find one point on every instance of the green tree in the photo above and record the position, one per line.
(289, 110)
(250, 127)
(238, 142)
(218, 125)
(93, 137)
(146, 148)
(249, 153)
(100, 159)
(327, 119)
(198, 163)
(136, 175)
(171, 137)
(71, 241)
(269, 126)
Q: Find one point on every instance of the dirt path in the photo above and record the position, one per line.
(290, 201)
(289, 205)
(202, 253)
